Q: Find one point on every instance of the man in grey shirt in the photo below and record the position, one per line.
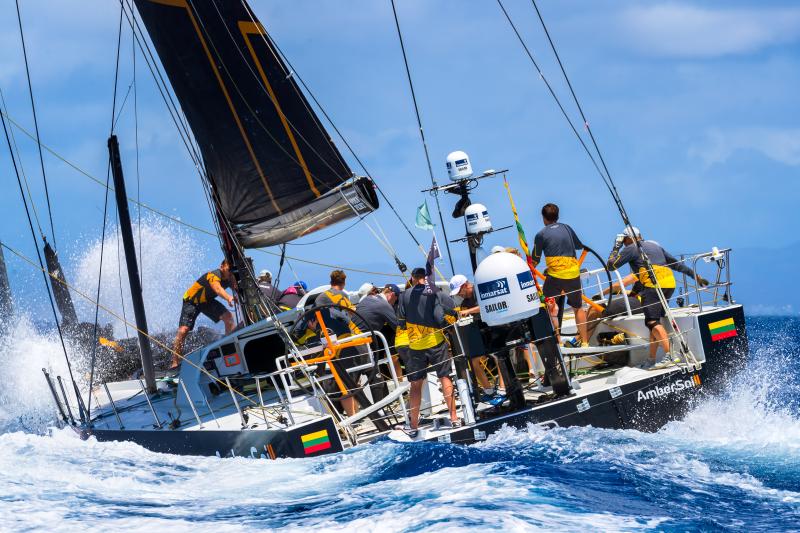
(377, 310)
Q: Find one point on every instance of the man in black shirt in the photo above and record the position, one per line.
(470, 334)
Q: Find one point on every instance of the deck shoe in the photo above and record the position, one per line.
(666, 361)
(571, 343)
(408, 430)
(497, 400)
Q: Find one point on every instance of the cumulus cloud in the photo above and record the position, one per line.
(778, 144)
(680, 30)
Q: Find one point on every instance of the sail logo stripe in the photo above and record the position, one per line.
(250, 28)
(185, 5)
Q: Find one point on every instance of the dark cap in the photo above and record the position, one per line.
(394, 288)
(418, 273)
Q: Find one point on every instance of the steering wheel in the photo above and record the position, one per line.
(310, 330)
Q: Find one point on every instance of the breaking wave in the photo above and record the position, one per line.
(169, 259)
(733, 462)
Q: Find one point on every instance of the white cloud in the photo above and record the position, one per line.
(779, 144)
(681, 30)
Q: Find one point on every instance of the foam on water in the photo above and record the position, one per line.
(25, 399)
(733, 462)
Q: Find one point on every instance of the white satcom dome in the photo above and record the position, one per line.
(476, 219)
(505, 289)
(458, 166)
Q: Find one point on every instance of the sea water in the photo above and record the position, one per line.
(732, 463)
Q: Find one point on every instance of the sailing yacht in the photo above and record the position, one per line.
(269, 389)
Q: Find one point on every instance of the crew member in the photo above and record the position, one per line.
(401, 338)
(617, 307)
(470, 334)
(270, 292)
(201, 298)
(424, 314)
(663, 263)
(338, 318)
(376, 311)
(558, 242)
(292, 295)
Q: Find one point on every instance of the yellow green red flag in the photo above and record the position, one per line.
(722, 329)
(523, 242)
(317, 441)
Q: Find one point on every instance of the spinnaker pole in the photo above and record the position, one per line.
(131, 264)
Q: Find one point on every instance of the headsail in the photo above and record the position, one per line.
(275, 172)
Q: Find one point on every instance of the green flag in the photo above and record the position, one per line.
(424, 217)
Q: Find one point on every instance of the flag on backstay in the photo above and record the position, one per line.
(523, 242)
(424, 220)
(433, 255)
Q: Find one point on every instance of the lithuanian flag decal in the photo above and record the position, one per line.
(317, 441)
(722, 329)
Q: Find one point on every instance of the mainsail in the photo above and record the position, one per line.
(275, 173)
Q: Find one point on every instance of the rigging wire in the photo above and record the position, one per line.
(277, 107)
(36, 126)
(552, 92)
(174, 219)
(136, 144)
(609, 182)
(103, 233)
(604, 173)
(41, 265)
(351, 226)
(350, 149)
(422, 136)
(22, 169)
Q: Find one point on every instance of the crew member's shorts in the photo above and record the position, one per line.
(617, 307)
(435, 359)
(553, 287)
(472, 340)
(402, 353)
(212, 309)
(651, 305)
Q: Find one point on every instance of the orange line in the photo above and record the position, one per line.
(250, 27)
(184, 4)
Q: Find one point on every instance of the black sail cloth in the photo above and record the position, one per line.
(275, 173)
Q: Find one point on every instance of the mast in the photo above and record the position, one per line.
(59, 285)
(131, 264)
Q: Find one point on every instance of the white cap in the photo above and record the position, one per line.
(456, 282)
(632, 232)
(264, 273)
(498, 249)
(365, 289)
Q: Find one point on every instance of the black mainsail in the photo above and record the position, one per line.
(275, 173)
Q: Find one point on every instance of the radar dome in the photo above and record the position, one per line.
(458, 166)
(505, 289)
(476, 218)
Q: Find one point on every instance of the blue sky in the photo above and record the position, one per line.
(694, 105)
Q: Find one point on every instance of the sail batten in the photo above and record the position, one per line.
(266, 153)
